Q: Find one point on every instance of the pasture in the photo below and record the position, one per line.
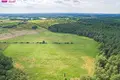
(53, 61)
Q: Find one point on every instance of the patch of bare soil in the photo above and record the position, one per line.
(30, 60)
(19, 66)
(88, 65)
(13, 34)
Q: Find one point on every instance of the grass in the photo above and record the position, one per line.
(52, 61)
(48, 22)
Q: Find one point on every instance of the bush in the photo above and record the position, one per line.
(16, 74)
(115, 77)
(86, 78)
(34, 27)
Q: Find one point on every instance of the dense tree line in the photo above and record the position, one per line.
(7, 71)
(42, 42)
(5, 65)
(105, 31)
(4, 44)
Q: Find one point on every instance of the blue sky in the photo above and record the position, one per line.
(61, 6)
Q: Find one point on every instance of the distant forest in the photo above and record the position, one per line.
(106, 31)
(58, 15)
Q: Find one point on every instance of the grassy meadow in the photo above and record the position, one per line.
(53, 61)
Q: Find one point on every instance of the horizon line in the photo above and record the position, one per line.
(60, 13)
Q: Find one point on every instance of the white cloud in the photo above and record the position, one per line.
(49, 6)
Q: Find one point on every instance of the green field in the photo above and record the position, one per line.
(52, 61)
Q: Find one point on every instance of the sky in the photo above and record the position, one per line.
(61, 6)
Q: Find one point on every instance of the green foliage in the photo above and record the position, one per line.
(8, 24)
(34, 27)
(16, 74)
(103, 30)
(48, 22)
(86, 78)
(100, 30)
(115, 77)
(109, 69)
(3, 46)
(7, 72)
(5, 65)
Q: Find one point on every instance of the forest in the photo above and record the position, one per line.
(106, 31)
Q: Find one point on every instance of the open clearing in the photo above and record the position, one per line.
(51, 61)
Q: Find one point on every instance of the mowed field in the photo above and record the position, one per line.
(53, 61)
